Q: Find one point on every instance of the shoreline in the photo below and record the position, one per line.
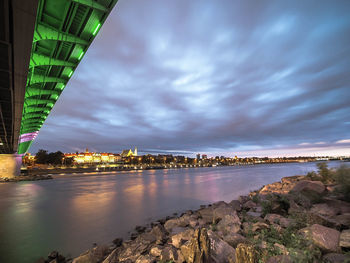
(242, 230)
(54, 173)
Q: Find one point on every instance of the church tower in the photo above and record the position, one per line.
(135, 152)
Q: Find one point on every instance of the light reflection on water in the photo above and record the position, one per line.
(72, 212)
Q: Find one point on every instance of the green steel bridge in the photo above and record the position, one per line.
(41, 44)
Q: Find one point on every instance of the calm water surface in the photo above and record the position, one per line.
(70, 213)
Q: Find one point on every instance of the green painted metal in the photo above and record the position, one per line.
(64, 30)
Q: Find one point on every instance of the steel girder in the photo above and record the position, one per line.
(63, 32)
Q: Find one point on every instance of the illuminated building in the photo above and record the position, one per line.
(129, 153)
(90, 157)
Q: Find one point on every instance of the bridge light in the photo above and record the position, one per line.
(81, 55)
(70, 73)
(96, 29)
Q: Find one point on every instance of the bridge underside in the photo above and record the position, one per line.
(63, 32)
(41, 44)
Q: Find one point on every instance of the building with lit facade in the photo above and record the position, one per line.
(93, 158)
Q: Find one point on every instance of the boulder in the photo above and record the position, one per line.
(207, 215)
(249, 204)
(278, 219)
(253, 214)
(112, 257)
(93, 255)
(234, 239)
(343, 219)
(325, 210)
(180, 238)
(118, 242)
(246, 253)
(280, 259)
(335, 258)
(243, 198)
(169, 254)
(160, 233)
(156, 251)
(220, 251)
(130, 251)
(170, 224)
(145, 259)
(308, 192)
(230, 224)
(345, 239)
(309, 186)
(197, 250)
(259, 226)
(327, 239)
(342, 206)
(222, 211)
(235, 204)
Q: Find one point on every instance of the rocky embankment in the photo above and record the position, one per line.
(295, 220)
(25, 178)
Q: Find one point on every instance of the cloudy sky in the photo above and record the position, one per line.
(267, 78)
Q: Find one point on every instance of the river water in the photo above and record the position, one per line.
(70, 213)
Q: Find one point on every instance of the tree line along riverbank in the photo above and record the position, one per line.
(299, 219)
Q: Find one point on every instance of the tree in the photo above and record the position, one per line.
(41, 157)
(55, 157)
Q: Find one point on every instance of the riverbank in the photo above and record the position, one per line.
(22, 178)
(300, 219)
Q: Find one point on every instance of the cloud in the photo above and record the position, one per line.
(209, 76)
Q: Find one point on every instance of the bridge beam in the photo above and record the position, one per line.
(92, 4)
(41, 60)
(46, 33)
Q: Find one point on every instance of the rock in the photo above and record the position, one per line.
(118, 242)
(335, 258)
(94, 255)
(343, 219)
(220, 251)
(145, 259)
(193, 222)
(169, 254)
(229, 224)
(160, 234)
(180, 238)
(342, 206)
(253, 214)
(156, 251)
(112, 257)
(345, 238)
(278, 219)
(170, 224)
(323, 237)
(259, 226)
(249, 204)
(243, 198)
(197, 250)
(310, 189)
(207, 215)
(324, 209)
(236, 205)
(132, 250)
(280, 259)
(246, 253)
(222, 211)
(234, 239)
(140, 229)
(292, 179)
(53, 255)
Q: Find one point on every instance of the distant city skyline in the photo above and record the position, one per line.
(265, 78)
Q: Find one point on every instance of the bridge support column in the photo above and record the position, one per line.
(10, 165)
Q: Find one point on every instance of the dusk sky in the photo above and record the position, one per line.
(247, 78)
